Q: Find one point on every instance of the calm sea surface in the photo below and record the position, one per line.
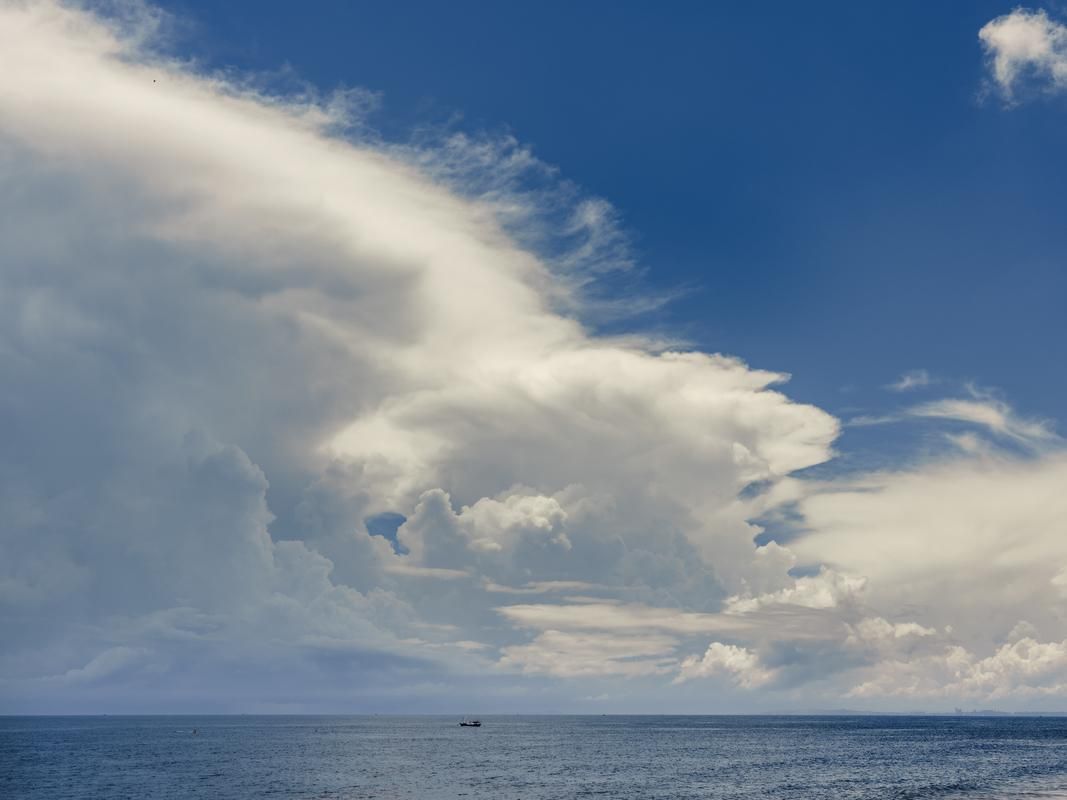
(532, 757)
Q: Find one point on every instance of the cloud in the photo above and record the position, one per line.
(995, 416)
(980, 409)
(416, 571)
(1026, 47)
(584, 655)
(103, 665)
(914, 379)
(826, 589)
(969, 541)
(234, 326)
(877, 639)
(544, 587)
(1024, 668)
(610, 616)
(741, 665)
(949, 555)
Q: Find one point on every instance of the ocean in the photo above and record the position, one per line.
(532, 757)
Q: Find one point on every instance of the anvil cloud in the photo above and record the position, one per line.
(233, 335)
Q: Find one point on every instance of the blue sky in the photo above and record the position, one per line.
(560, 357)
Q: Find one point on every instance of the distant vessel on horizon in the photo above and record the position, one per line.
(470, 723)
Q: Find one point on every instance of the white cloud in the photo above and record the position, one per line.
(876, 629)
(980, 409)
(741, 665)
(615, 617)
(914, 379)
(826, 589)
(1020, 669)
(400, 567)
(585, 655)
(994, 415)
(545, 587)
(877, 639)
(230, 336)
(975, 542)
(1026, 45)
(493, 525)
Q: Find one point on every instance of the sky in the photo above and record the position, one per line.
(487, 358)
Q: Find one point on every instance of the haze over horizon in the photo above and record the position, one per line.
(351, 364)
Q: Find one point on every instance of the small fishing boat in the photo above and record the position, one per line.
(470, 723)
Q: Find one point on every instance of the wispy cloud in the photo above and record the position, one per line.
(994, 415)
(546, 587)
(597, 654)
(914, 379)
(980, 408)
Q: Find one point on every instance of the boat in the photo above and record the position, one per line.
(471, 723)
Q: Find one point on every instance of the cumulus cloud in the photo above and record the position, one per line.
(1026, 46)
(1020, 669)
(968, 545)
(231, 335)
(877, 639)
(826, 589)
(741, 665)
(235, 326)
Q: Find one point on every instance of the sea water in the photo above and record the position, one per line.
(533, 758)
